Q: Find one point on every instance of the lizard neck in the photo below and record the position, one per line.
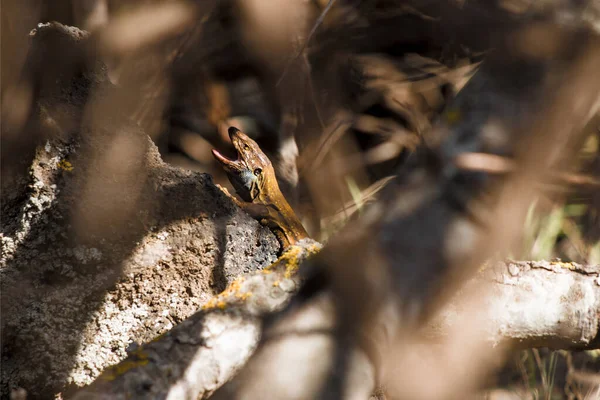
(282, 218)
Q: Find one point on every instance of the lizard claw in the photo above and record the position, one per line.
(223, 189)
(232, 197)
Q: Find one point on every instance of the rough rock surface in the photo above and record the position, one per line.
(104, 247)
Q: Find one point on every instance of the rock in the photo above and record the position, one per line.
(104, 246)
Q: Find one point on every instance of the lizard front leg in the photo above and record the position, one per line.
(232, 197)
(256, 211)
(265, 216)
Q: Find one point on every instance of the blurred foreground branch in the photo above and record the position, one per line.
(529, 304)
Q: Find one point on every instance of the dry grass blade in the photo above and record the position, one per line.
(350, 208)
(494, 164)
(312, 32)
(331, 136)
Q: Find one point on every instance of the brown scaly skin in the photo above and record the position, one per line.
(253, 177)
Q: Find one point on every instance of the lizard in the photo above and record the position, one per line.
(253, 177)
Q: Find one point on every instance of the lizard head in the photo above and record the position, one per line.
(252, 168)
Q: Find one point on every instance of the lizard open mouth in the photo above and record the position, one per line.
(236, 165)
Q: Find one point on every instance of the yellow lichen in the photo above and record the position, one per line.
(210, 304)
(219, 301)
(268, 269)
(139, 358)
(290, 258)
(65, 165)
(243, 296)
(562, 264)
(290, 270)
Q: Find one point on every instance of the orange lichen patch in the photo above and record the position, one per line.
(293, 262)
(268, 269)
(211, 303)
(291, 259)
(65, 165)
(234, 289)
(243, 296)
(562, 264)
(138, 359)
(313, 249)
(290, 270)
(282, 259)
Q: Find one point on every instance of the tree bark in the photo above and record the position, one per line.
(524, 303)
(532, 304)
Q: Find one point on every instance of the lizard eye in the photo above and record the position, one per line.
(246, 147)
(257, 171)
